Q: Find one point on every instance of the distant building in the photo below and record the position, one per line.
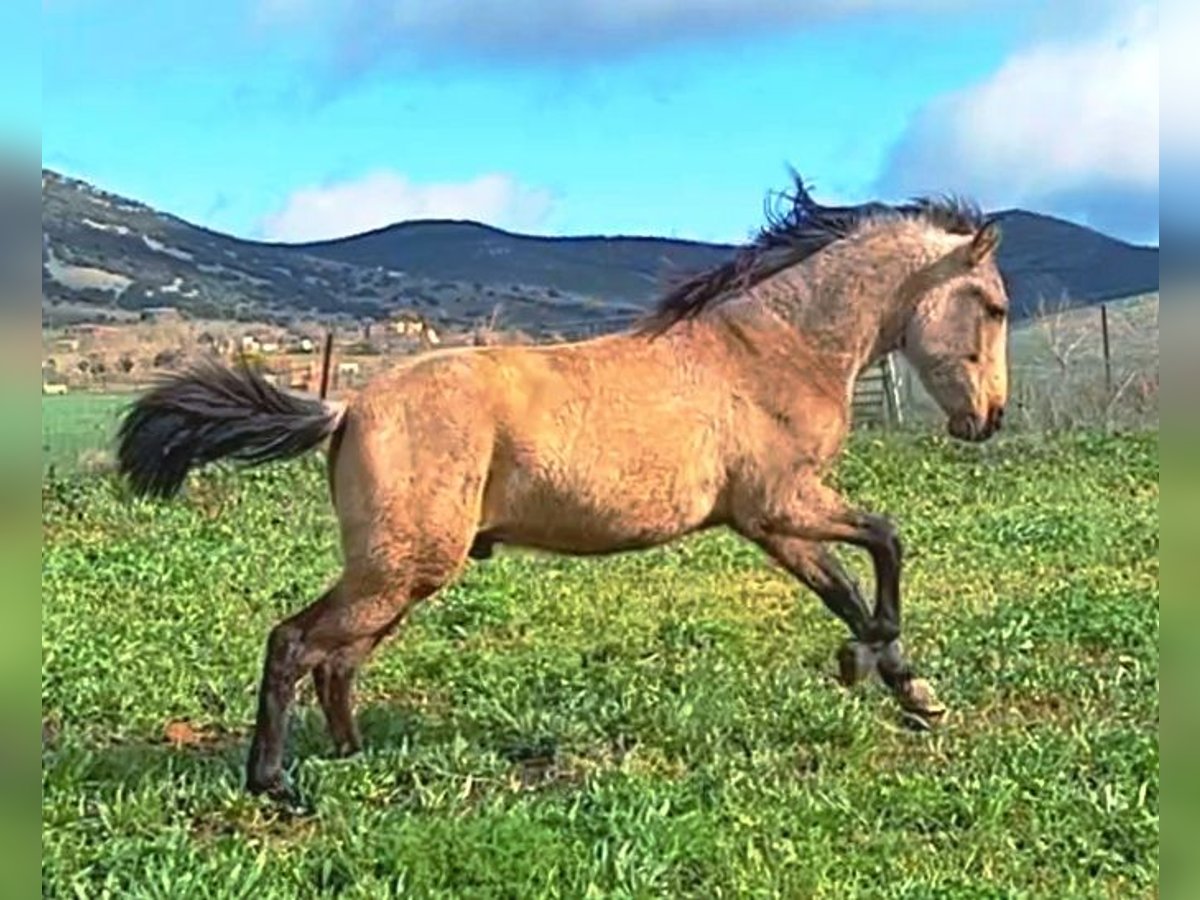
(299, 343)
(87, 335)
(89, 329)
(407, 323)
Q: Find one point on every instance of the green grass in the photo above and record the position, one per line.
(77, 425)
(660, 724)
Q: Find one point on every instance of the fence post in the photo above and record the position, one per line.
(891, 389)
(1107, 356)
(326, 358)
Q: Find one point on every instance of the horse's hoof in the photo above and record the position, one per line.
(347, 751)
(281, 794)
(856, 661)
(288, 801)
(917, 722)
(920, 705)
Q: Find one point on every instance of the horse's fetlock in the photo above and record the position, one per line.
(885, 533)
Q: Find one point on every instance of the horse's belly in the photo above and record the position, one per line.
(601, 510)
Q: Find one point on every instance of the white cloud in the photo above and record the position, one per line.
(383, 198)
(536, 31)
(1180, 134)
(1070, 126)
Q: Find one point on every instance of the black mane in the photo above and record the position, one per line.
(799, 230)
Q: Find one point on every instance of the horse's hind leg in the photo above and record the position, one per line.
(290, 653)
(334, 681)
(346, 619)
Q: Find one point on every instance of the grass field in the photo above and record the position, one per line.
(74, 425)
(661, 724)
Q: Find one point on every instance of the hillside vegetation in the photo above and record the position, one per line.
(108, 256)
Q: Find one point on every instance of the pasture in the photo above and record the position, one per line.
(655, 724)
(76, 425)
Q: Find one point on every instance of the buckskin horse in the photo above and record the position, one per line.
(727, 405)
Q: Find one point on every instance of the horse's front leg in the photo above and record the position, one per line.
(814, 565)
(817, 514)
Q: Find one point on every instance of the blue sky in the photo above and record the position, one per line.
(287, 119)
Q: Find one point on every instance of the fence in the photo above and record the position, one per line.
(1094, 366)
(877, 399)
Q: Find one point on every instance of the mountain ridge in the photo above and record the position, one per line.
(107, 255)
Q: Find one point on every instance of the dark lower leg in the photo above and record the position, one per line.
(802, 518)
(290, 654)
(816, 567)
(818, 515)
(883, 633)
(348, 619)
(879, 538)
(281, 669)
(893, 668)
(334, 680)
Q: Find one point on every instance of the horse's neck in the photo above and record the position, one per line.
(851, 317)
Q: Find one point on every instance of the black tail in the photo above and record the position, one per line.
(212, 412)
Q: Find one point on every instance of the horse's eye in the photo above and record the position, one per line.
(996, 313)
(972, 357)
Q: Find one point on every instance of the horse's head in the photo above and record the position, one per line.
(957, 337)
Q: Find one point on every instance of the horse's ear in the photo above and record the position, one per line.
(984, 244)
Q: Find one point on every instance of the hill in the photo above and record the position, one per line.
(622, 269)
(106, 256)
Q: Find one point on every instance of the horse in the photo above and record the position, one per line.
(727, 405)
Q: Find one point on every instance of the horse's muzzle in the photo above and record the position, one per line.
(970, 427)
